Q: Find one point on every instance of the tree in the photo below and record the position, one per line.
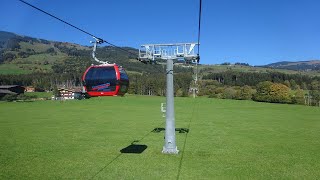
(298, 97)
(244, 93)
(229, 93)
(304, 86)
(263, 92)
(8, 56)
(56, 92)
(287, 83)
(280, 93)
(51, 51)
(272, 92)
(315, 92)
(293, 84)
(226, 63)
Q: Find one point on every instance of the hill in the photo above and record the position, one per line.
(24, 55)
(4, 37)
(297, 66)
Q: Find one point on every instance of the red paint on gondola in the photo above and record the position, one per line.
(105, 80)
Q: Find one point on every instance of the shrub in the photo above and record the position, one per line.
(280, 93)
(298, 97)
(229, 93)
(262, 94)
(272, 92)
(244, 93)
(9, 97)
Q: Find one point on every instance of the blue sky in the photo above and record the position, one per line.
(253, 31)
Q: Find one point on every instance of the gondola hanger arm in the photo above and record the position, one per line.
(97, 41)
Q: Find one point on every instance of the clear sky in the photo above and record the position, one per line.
(253, 31)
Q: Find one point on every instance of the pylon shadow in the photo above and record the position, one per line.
(180, 130)
(134, 149)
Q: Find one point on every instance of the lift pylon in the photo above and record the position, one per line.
(177, 51)
(150, 53)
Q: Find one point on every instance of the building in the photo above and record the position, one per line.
(69, 94)
(66, 94)
(11, 89)
(30, 89)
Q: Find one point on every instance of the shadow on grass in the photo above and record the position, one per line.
(180, 130)
(134, 149)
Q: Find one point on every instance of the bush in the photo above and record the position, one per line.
(244, 93)
(280, 93)
(272, 92)
(179, 93)
(15, 97)
(298, 97)
(229, 93)
(10, 97)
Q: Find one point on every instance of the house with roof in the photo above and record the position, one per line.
(11, 89)
(69, 94)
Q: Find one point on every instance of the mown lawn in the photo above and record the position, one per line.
(227, 140)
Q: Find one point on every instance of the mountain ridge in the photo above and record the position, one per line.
(296, 65)
(24, 54)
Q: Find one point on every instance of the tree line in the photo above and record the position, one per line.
(273, 87)
(236, 78)
(264, 87)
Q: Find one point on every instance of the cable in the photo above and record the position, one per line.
(102, 40)
(185, 140)
(120, 48)
(59, 19)
(105, 166)
(193, 111)
(199, 28)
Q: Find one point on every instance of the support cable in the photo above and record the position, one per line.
(86, 32)
(199, 28)
(194, 105)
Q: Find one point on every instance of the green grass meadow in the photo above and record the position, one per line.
(227, 140)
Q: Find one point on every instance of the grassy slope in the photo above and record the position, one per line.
(34, 63)
(227, 139)
(37, 47)
(12, 69)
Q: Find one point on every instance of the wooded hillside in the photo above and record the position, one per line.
(47, 64)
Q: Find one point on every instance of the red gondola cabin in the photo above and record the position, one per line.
(105, 80)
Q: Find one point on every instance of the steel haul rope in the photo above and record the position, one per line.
(69, 24)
